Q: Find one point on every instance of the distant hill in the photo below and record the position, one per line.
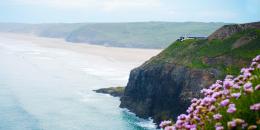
(163, 86)
(132, 35)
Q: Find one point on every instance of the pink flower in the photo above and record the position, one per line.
(257, 87)
(219, 128)
(194, 100)
(254, 64)
(236, 86)
(216, 94)
(216, 85)
(250, 90)
(236, 95)
(231, 110)
(207, 91)
(248, 85)
(197, 118)
(257, 59)
(219, 82)
(226, 92)
(217, 116)
(170, 128)
(207, 101)
(255, 107)
(231, 124)
(165, 123)
(188, 126)
(179, 124)
(228, 83)
(189, 110)
(247, 70)
(196, 111)
(224, 102)
(212, 108)
(247, 75)
(232, 105)
(181, 117)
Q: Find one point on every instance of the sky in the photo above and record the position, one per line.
(79, 11)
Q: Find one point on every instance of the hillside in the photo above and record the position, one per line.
(163, 86)
(133, 35)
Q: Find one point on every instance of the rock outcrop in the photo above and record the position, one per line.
(162, 87)
(113, 91)
(228, 30)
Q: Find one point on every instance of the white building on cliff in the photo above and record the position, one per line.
(185, 37)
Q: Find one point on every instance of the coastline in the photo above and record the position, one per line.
(122, 54)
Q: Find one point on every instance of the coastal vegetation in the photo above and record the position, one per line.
(233, 103)
(196, 53)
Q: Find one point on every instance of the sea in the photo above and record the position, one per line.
(45, 88)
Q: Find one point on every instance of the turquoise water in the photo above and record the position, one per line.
(51, 89)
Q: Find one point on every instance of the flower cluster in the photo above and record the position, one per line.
(233, 103)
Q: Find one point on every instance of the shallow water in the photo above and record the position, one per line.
(51, 89)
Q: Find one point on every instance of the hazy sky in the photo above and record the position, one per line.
(42, 11)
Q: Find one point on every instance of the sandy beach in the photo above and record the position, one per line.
(120, 54)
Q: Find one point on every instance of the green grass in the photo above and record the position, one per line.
(231, 70)
(198, 64)
(204, 54)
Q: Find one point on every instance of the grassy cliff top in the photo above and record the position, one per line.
(220, 54)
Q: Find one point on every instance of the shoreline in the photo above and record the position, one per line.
(145, 53)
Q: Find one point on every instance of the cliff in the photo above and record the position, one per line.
(162, 87)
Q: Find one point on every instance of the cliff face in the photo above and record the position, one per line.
(162, 87)
(164, 90)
